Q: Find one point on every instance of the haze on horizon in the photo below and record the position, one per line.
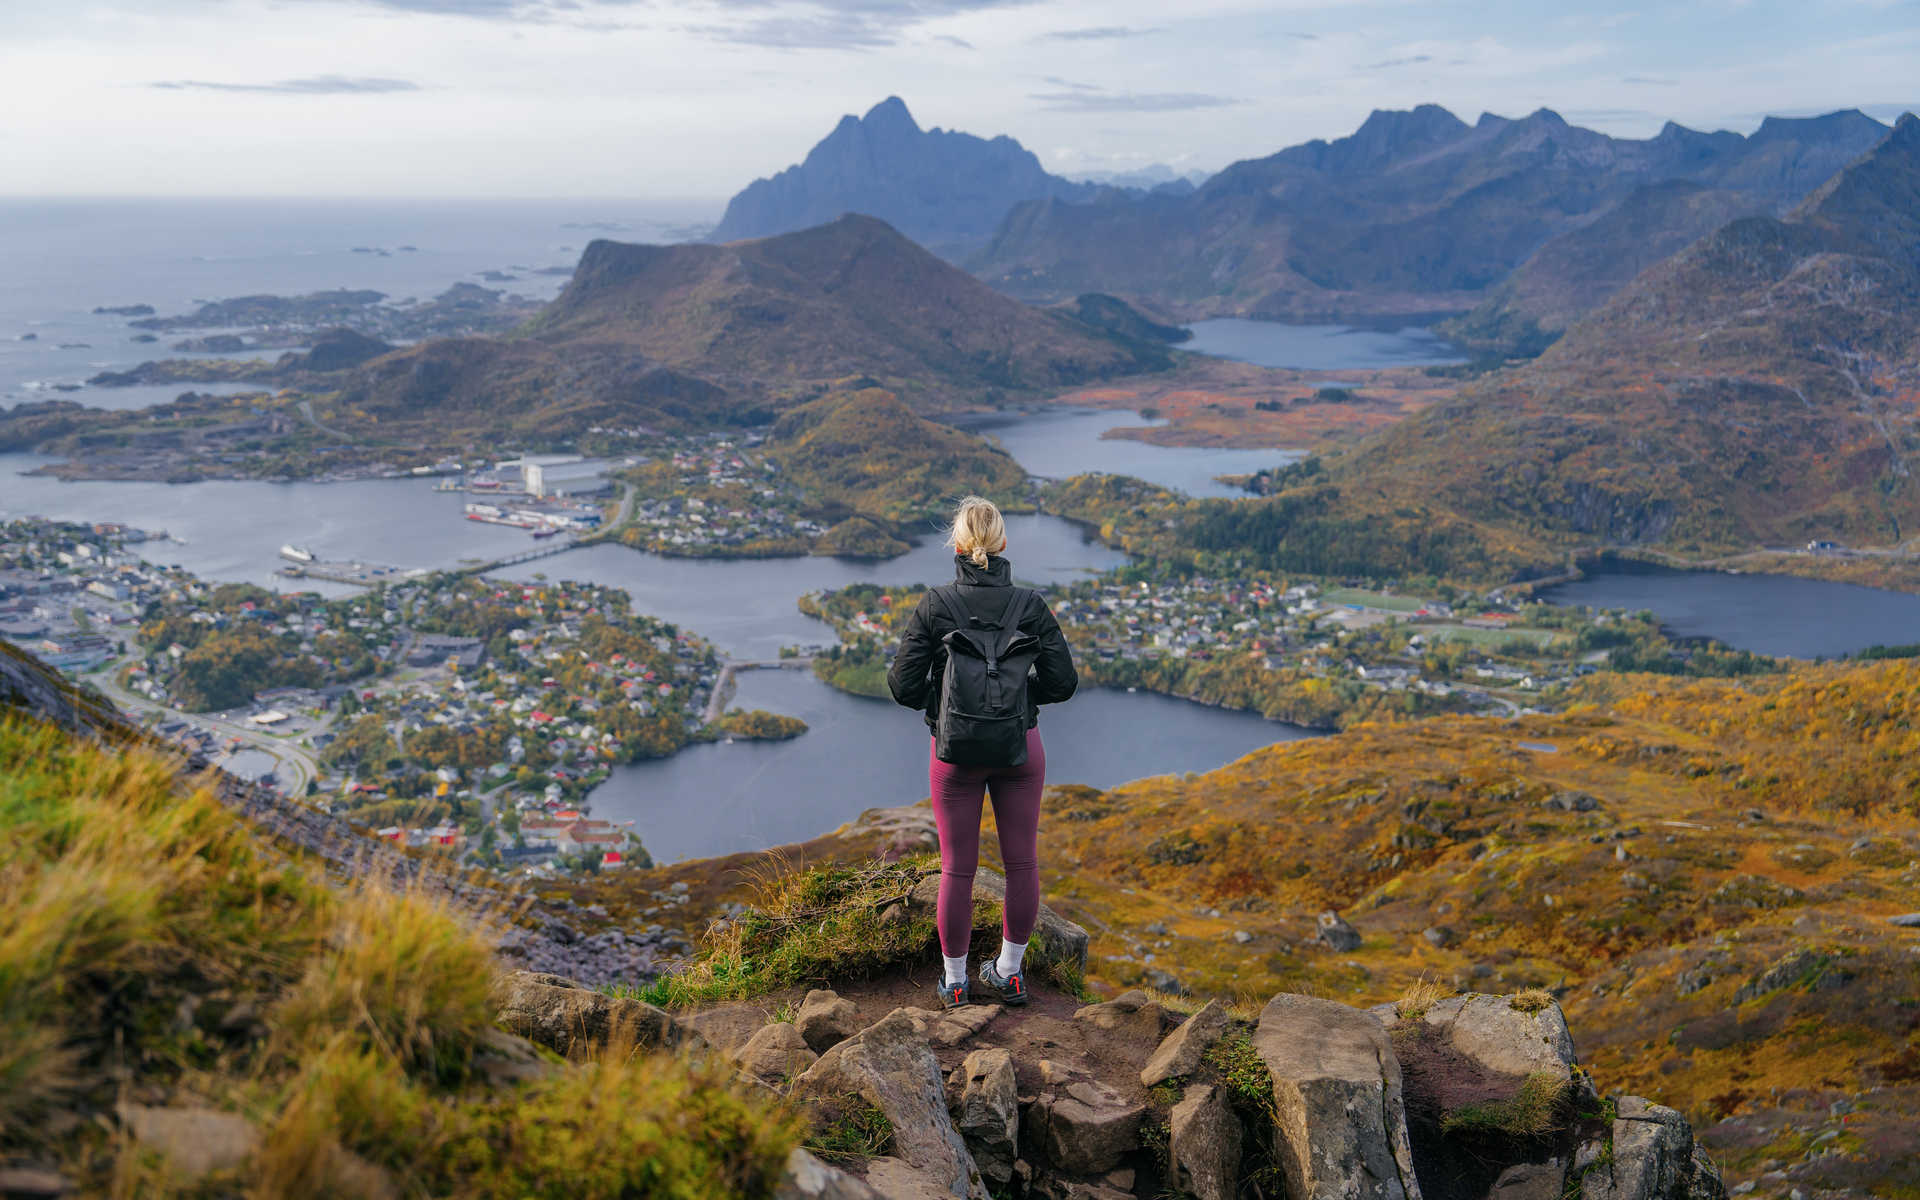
(696, 98)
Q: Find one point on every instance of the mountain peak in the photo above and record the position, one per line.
(891, 114)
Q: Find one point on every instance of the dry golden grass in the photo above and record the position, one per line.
(1421, 995)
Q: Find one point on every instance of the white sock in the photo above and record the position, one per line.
(956, 968)
(1010, 955)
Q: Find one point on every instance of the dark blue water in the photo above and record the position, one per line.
(1777, 615)
(1319, 347)
(1058, 443)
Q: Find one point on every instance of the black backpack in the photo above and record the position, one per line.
(983, 691)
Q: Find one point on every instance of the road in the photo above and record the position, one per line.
(296, 766)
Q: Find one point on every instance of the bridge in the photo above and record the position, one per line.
(546, 550)
(723, 686)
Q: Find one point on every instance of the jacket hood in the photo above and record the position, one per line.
(997, 573)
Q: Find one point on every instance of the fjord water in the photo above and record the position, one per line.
(62, 258)
(1058, 443)
(860, 753)
(1319, 347)
(1780, 615)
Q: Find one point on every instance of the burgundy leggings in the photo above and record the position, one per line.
(957, 793)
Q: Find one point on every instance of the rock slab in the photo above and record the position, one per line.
(989, 1118)
(1205, 1144)
(565, 1017)
(825, 1020)
(807, 1178)
(776, 1053)
(1055, 939)
(893, 1068)
(1341, 1127)
(1181, 1052)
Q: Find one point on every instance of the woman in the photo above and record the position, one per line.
(984, 594)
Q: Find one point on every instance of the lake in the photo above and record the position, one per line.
(1061, 442)
(860, 753)
(1320, 347)
(1779, 615)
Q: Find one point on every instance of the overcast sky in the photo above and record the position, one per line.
(697, 97)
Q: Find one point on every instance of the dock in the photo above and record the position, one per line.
(359, 574)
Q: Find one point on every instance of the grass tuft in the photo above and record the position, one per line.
(1532, 1000)
(856, 1133)
(1421, 995)
(1536, 1111)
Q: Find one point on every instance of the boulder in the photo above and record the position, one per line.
(807, 1178)
(825, 1019)
(989, 1116)
(194, 1141)
(1505, 1040)
(727, 1027)
(1055, 939)
(1131, 1022)
(1091, 1128)
(566, 1017)
(1181, 1052)
(1340, 1128)
(892, 1067)
(1653, 1158)
(1204, 1146)
(775, 1053)
(1335, 934)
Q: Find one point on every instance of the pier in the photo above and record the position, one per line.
(359, 574)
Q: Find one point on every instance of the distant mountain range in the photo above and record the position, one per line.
(944, 189)
(1760, 387)
(695, 335)
(1415, 214)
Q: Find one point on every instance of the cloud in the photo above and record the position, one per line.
(316, 85)
(950, 40)
(1095, 33)
(817, 24)
(1097, 101)
(1069, 84)
(1650, 81)
(1385, 64)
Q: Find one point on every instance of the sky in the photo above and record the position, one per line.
(696, 98)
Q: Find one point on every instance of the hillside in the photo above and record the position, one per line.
(1578, 271)
(945, 189)
(1760, 388)
(702, 335)
(1415, 213)
(1703, 872)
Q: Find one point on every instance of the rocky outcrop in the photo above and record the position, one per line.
(1341, 1129)
(891, 1066)
(1648, 1154)
(807, 1178)
(565, 1017)
(1055, 939)
(776, 1053)
(826, 1020)
(1090, 1129)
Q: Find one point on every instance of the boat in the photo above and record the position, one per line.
(546, 532)
(299, 554)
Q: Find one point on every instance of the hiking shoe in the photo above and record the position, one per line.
(1011, 989)
(954, 995)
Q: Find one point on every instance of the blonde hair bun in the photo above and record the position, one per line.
(978, 530)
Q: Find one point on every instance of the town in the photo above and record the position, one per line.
(449, 711)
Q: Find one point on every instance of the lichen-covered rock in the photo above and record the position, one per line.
(1204, 1144)
(1653, 1158)
(726, 1027)
(989, 1112)
(1335, 934)
(1181, 1052)
(1504, 1039)
(1341, 1131)
(564, 1017)
(825, 1019)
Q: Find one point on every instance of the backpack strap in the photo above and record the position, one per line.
(956, 612)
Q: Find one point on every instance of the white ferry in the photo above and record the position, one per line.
(299, 554)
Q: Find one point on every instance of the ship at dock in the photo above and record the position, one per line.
(299, 554)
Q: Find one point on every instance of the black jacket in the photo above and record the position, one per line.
(914, 678)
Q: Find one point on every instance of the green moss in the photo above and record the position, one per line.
(1539, 1108)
